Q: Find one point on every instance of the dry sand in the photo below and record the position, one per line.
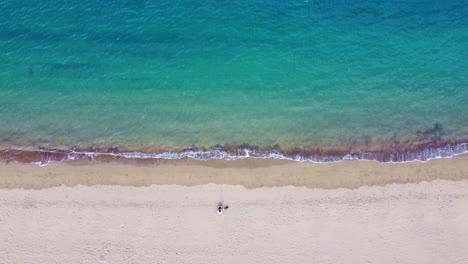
(398, 223)
(348, 212)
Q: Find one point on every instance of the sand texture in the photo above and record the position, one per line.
(280, 212)
(397, 223)
(250, 173)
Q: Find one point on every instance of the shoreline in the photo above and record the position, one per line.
(250, 173)
(388, 152)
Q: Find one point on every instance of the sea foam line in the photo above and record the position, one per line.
(423, 155)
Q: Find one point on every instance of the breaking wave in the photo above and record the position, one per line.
(423, 153)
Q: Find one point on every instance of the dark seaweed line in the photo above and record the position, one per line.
(425, 153)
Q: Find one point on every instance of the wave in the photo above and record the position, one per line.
(422, 153)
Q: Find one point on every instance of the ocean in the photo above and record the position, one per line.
(304, 80)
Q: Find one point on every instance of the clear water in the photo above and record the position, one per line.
(152, 75)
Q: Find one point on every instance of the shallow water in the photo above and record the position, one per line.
(165, 75)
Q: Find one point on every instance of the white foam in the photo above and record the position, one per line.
(425, 155)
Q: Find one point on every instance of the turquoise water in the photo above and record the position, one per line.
(164, 75)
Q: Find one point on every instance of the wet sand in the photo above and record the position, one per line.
(250, 173)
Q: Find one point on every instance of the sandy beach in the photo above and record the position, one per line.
(334, 133)
(280, 212)
(397, 223)
(250, 173)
